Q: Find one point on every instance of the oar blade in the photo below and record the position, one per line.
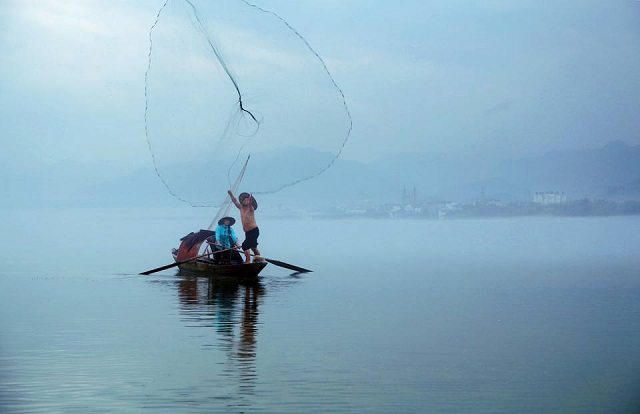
(288, 266)
(157, 269)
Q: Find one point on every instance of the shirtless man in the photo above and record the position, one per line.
(248, 206)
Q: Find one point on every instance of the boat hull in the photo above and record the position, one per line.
(207, 268)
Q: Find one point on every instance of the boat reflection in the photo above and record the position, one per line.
(231, 308)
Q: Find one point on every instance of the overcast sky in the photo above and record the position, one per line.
(497, 78)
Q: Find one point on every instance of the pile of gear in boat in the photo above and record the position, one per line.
(221, 248)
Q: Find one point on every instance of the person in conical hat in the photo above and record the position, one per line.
(231, 221)
(225, 236)
(247, 206)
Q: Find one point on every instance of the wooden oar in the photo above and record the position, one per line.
(283, 264)
(169, 266)
(157, 269)
(288, 266)
(272, 261)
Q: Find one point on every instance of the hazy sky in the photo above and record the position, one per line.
(499, 78)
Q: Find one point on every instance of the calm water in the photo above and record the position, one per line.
(474, 316)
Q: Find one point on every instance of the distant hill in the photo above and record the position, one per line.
(587, 173)
(629, 191)
(611, 172)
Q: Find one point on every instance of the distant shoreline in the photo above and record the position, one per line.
(480, 209)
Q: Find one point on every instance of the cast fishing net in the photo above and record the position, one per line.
(228, 79)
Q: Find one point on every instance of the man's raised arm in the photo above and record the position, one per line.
(233, 199)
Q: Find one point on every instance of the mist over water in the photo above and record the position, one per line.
(479, 316)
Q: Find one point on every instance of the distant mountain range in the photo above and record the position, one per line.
(611, 172)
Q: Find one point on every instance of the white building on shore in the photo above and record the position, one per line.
(549, 197)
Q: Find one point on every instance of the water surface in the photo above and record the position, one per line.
(478, 316)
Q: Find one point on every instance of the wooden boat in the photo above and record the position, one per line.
(206, 267)
(212, 263)
(189, 258)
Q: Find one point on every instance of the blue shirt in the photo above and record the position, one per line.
(226, 236)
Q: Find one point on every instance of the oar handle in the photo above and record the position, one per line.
(220, 251)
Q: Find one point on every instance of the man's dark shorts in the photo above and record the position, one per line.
(250, 239)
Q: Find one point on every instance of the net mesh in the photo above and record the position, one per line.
(229, 79)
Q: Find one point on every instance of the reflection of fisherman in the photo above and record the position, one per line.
(239, 332)
(226, 239)
(247, 344)
(232, 309)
